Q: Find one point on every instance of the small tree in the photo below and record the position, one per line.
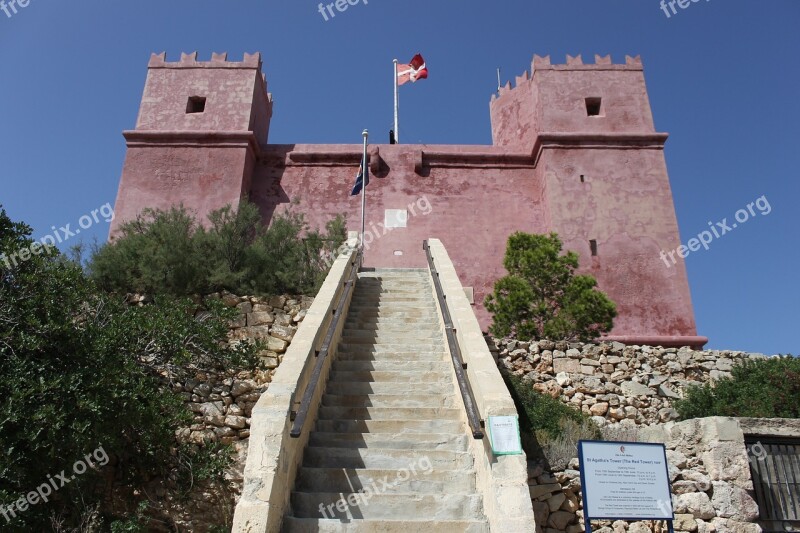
(542, 297)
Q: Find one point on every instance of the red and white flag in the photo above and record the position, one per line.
(416, 70)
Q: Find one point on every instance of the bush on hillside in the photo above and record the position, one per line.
(542, 297)
(169, 252)
(760, 388)
(77, 375)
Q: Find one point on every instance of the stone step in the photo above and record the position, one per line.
(433, 507)
(327, 457)
(391, 323)
(420, 294)
(423, 478)
(416, 286)
(419, 301)
(393, 347)
(386, 387)
(381, 285)
(380, 349)
(352, 336)
(413, 288)
(294, 524)
(366, 328)
(397, 377)
(393, 302)
(365, 355)
(386, 303)
(392, 426)
(367, 309)
(391, 366)
(453, 442)
(329, 412)
(395, 310)
(408, 314)
(389, 400)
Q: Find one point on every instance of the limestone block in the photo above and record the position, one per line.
(556, 500)
(685, 522)
(698, 504)
(631, 388)
(282, 332)
(259, 318)
(276, 345)
(733, 502)
(560, 519)
(571, 366)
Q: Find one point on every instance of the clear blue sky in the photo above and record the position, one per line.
(723, 79)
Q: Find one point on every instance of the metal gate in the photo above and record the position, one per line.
(775, 467)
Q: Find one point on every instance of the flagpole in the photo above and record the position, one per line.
(396, 107)
(364, 171)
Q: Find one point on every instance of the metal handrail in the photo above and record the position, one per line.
(455, 351)
(299, 418)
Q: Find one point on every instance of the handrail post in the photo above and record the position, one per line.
(473, 416)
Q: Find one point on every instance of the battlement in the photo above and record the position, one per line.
(540, 63)
(250, 61)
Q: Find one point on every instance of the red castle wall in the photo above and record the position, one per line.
(471, 197)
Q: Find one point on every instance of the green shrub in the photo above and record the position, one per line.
(760, 388)
(542, 297)
(169, 252)
(550, 429)
(77, 374)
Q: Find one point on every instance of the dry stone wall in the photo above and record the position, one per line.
(612, 382)
(629, 392)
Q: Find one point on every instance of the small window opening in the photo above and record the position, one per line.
(593, 107)
(197, 104)
(583, 178)
(593, 246)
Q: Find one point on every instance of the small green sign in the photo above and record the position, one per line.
(504, 435)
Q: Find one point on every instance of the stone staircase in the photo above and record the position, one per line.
(389, 449)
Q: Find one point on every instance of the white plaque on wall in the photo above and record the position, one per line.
(395, 218)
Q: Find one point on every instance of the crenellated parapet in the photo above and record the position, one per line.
(218, 60)
(541, 63)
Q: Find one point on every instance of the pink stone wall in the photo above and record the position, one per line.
(470, 197)
(201, 160)
(202, 179)
(625, 205)
(472, 209)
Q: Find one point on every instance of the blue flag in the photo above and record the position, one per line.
(362, 178)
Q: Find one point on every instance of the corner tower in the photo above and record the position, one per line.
(199, 132)
(600, 163)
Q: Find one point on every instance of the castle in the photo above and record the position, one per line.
(575, 151)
